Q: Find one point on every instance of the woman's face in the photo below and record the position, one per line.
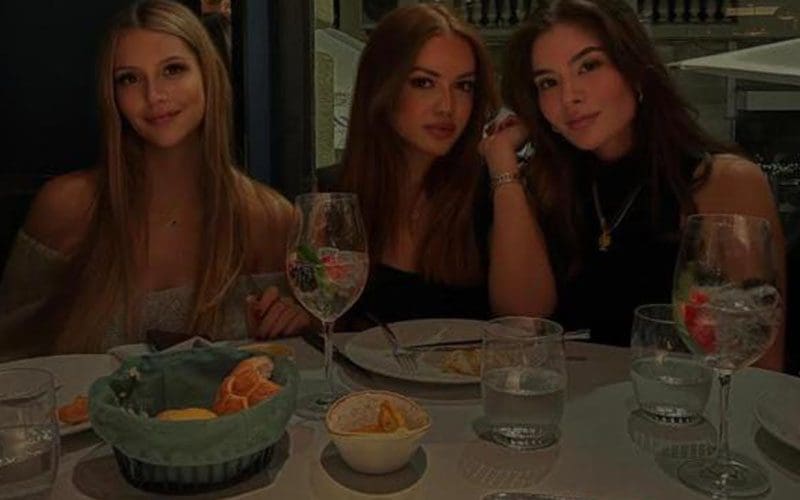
(581, 93)
(158, 87)
(436, 100)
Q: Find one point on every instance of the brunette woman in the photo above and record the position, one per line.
(447, 239)
(620, 162)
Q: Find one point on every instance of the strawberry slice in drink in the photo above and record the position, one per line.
(336, 270)
(698, 324)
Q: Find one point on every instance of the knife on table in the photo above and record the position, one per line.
(450, 345)
(444, 346)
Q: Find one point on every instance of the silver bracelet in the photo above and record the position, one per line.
(505, 178)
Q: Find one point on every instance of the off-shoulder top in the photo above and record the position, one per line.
(32, 274)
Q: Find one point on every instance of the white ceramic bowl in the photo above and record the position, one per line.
(375, 453)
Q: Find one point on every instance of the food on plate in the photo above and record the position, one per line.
(269, 348)
(181, 414)
(247, 385)
(76, 412)
(389, 419)
(463, 361)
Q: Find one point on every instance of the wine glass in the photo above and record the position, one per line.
(728, 308)
(326, 266)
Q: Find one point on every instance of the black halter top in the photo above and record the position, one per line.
(637, 266)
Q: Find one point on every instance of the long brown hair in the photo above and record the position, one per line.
(373, 161)
(102, 274)
(665, 129)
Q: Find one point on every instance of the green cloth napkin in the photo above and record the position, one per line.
(122, 407)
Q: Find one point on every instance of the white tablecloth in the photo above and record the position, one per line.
(606, 450)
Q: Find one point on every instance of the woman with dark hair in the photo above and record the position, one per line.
(423, 92)
(620, 162)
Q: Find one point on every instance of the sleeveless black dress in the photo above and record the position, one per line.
(637, 268)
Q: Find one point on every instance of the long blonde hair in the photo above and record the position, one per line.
(373, 163)
(102, 274)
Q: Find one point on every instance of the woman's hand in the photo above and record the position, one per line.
(272, 315)
(503, 138)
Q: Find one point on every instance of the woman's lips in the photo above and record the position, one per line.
(582, 122)
(441, 131)
(162, 118)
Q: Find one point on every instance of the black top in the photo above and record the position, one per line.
(638, 266)
(395, 295)
(392, 294)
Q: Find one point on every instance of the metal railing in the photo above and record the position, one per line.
(497, 13)
(686, 11)
(492, 14)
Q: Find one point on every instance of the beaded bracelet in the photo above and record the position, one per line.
(505, 178)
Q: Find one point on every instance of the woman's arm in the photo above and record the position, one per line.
(60, 214)
(55, 226)
(521, 280)
(272, 314)
(738, 186)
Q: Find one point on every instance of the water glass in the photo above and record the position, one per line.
(670, 382)
(29, 439)
(523, 382)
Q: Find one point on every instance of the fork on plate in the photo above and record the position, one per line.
(406, 359)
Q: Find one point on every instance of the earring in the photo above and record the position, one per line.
(554, 129)
(640, 97)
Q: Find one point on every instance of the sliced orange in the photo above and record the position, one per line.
(75, 412)
(247, 384)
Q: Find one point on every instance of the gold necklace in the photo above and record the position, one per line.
(171, 218)
(604, 240)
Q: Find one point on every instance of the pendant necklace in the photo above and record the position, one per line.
(604, 241)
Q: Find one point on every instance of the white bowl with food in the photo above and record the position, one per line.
(376, 432)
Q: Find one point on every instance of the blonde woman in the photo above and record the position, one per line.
(164, 234)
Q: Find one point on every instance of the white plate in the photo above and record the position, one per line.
(74, 373)
(780, 416)
(370, 350)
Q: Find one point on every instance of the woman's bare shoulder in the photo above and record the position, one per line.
(62, 210)
(734, 168)
(264, 201)
(737, 185)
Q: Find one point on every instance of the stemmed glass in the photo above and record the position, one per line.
(326, 266)
(728, 308)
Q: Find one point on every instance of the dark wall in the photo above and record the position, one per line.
(290, 105)
(47, 97)
(47, 90)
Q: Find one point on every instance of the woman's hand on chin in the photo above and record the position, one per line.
(272, 315)
(503, 138)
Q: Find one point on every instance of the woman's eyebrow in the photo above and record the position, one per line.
(166, 60)
(578, 55)
(438, 75)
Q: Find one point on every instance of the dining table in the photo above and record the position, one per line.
(607, 449)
